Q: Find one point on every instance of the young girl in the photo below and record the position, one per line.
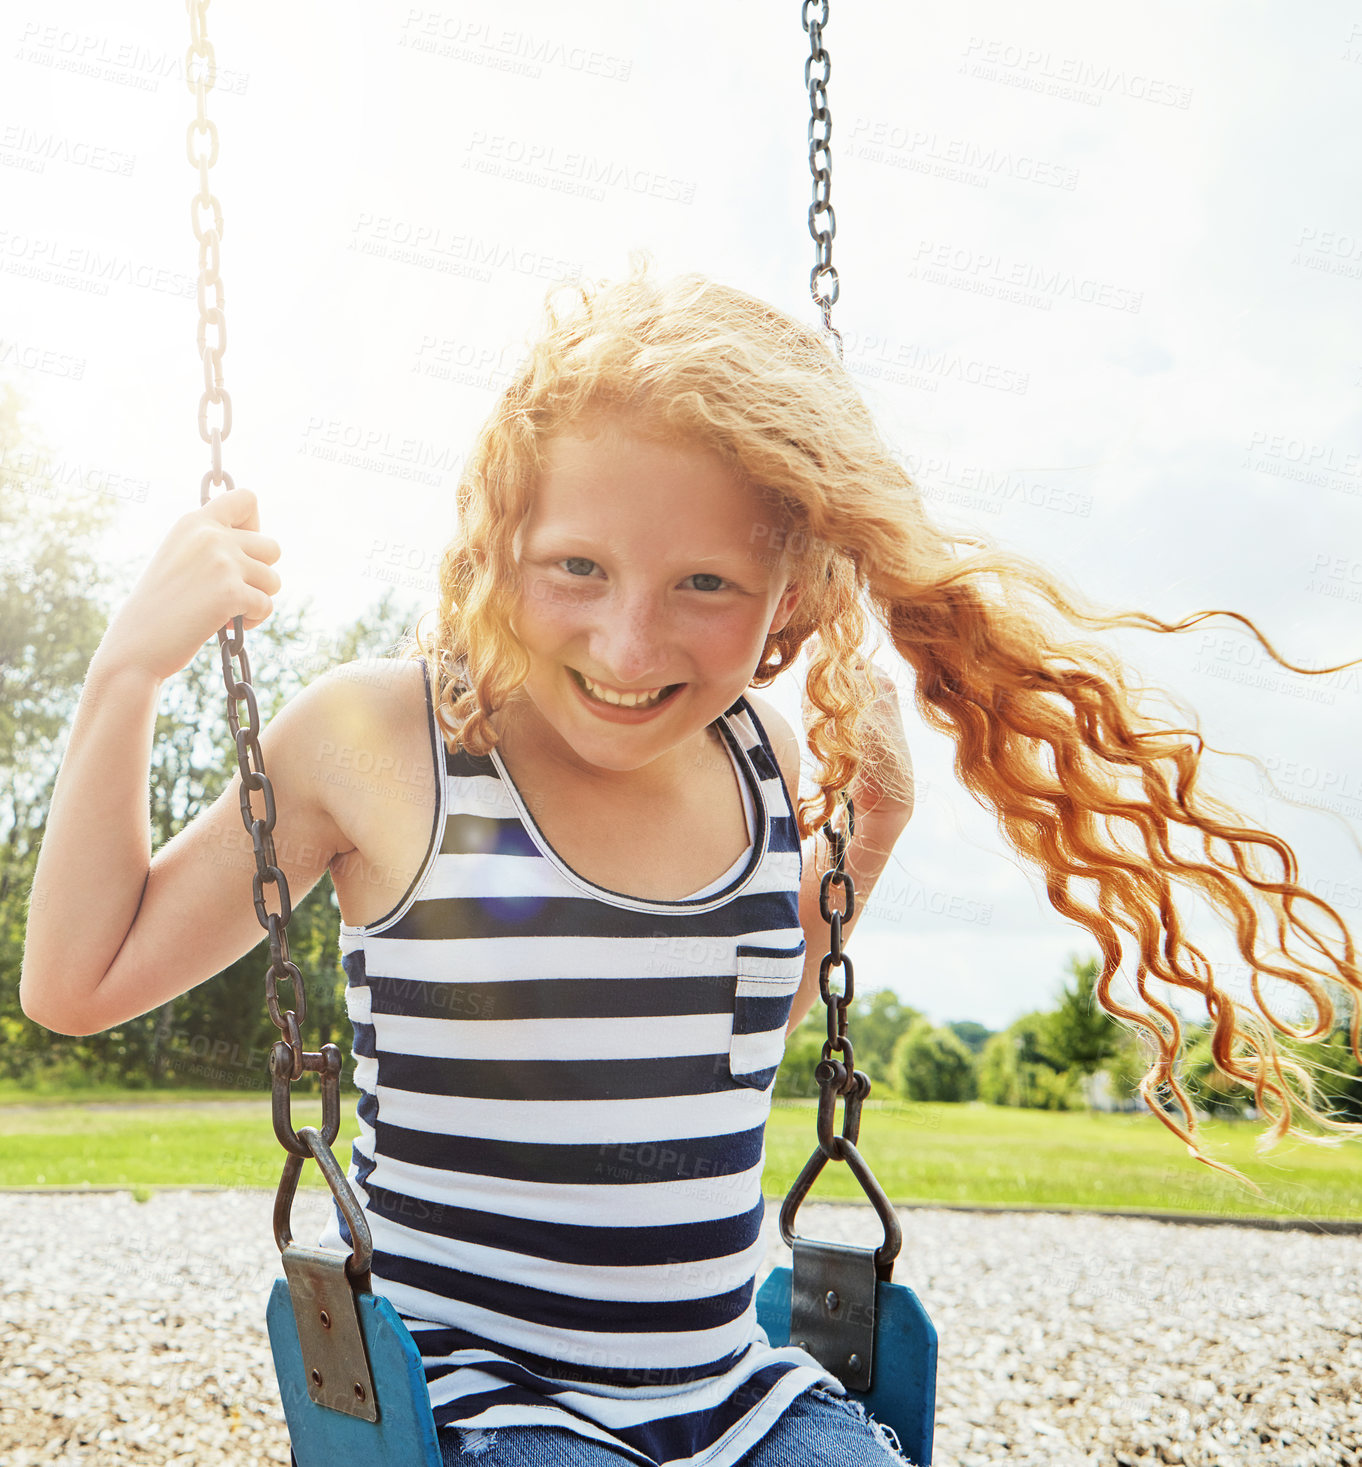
(578, 919)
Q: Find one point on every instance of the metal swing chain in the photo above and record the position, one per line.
(840, 1076)
(201, 79)
(837, 1004)
(835, 1076)
(825, 287)
(288, 1060)
(823, 283)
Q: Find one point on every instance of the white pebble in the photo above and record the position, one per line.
(136, 1334)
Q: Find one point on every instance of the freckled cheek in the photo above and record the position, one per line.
(561, 619)
(722, 643)
(548, 608)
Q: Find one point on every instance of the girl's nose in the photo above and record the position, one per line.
(629, 644)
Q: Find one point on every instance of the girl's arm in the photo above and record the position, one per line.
(883, 796)
(113, 932)
(881, 816)
(96, 845)
(868, 854)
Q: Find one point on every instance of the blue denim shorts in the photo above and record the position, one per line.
(817, 1429)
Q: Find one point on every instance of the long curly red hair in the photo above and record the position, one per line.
(1049, 732)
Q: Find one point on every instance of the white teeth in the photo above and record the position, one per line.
(622, 700)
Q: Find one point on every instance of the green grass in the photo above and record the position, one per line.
(973, 1154)
(62, 1093)
(1004, 1157)
(215, 1139)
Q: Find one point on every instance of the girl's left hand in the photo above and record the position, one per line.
(884, 781)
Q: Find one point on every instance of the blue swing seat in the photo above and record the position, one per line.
(903, 1390)
(404, 1435)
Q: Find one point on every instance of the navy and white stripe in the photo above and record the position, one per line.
(564, 1094)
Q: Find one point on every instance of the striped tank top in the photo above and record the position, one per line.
(563, 1101)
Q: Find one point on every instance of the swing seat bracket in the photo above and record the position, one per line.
(832, 1308)
(334, 1359)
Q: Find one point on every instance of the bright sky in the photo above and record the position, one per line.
(1101, 278)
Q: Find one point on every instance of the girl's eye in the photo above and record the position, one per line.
(718, 582)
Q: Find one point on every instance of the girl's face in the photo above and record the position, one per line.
(645, 566)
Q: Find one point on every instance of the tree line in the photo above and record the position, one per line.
(56, 593)
(1044, 1060)
(1069, 1057)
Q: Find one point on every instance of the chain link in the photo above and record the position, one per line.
(201, 145)
(823, 283)
(838, 1075)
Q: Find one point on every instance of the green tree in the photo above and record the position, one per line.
(876, 1022)
(970, 1033)
(1209, 1090)
(1080, 1036)
(1127, 1067)
(1336, 1071)
(803, 1049)
(55, 594)
(999, 1078)
(1330, 1061)
(1020, 1067)
(52, 607)
(52, 614)
(933, 1064)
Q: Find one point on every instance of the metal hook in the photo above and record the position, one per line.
(362, 1243)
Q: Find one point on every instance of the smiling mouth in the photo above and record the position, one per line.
(626, 700)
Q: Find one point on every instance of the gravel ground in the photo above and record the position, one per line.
(134, 1332)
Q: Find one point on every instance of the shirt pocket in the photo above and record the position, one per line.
(768, 979)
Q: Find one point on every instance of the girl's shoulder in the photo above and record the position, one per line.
(364, 713)
(378, 686)
(362, 750)
(784, 744)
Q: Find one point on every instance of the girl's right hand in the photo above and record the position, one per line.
(212, 566)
